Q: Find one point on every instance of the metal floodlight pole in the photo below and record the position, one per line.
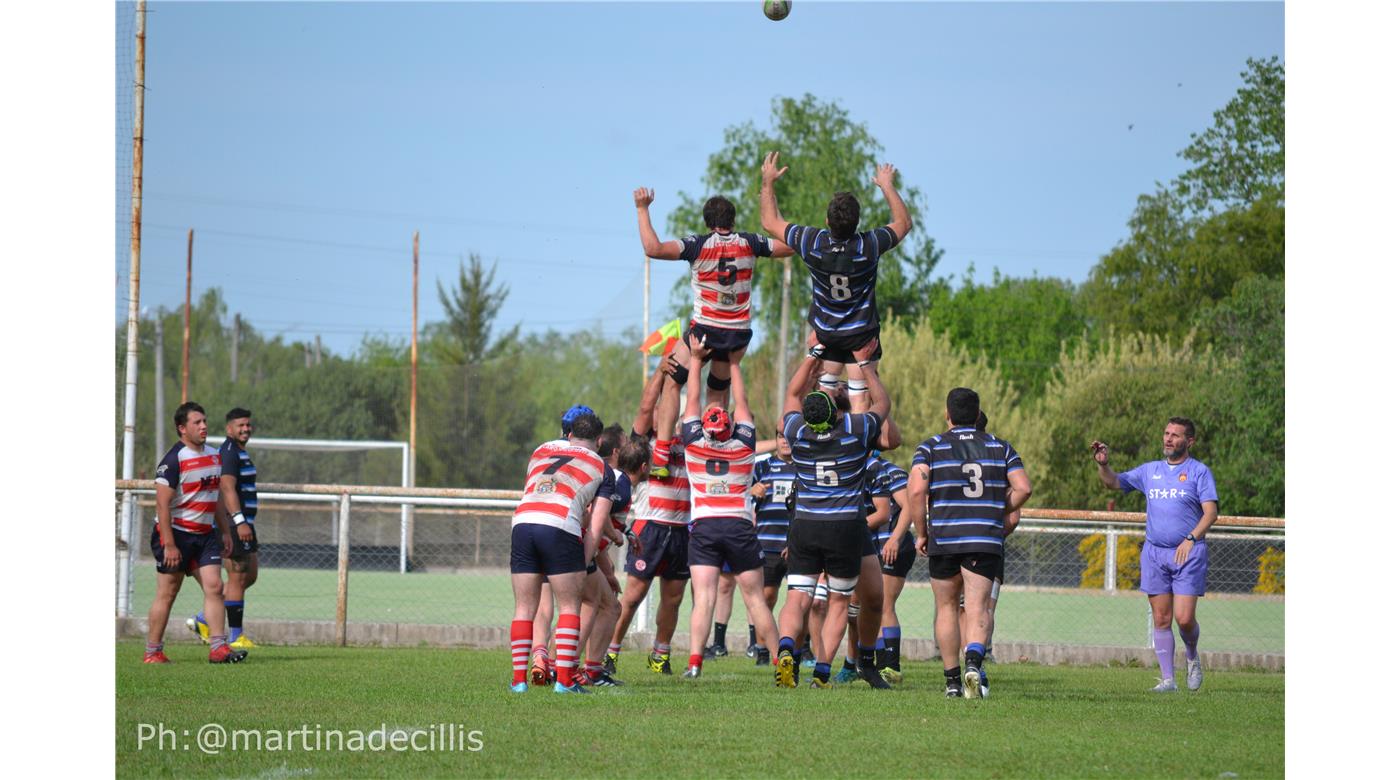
(185, 361)
(133, 311)
(411, 476)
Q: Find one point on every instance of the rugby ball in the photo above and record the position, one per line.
(777, 10)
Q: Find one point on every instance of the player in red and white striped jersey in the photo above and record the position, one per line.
(549, 541)
(191, 535)
(719, 454)
(721, 274)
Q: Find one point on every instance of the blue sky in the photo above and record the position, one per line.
(305, 143)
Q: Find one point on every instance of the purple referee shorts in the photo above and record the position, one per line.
(1160, 574)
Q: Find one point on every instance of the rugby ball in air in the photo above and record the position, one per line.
(777, 10)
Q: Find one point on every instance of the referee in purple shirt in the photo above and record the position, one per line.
(1181, 506)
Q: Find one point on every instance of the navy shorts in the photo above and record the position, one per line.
(721, 341)
(774, 569)
(725, 541)
(242, 549)
(945, 567)
(536, 548)
(196, 550)
(665, 552)
(903, 563)
(841, 348)
(833, 547)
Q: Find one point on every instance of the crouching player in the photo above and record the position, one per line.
(719, 455)
(601, 608)
(549, 542)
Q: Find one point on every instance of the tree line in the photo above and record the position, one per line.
(1184, 316)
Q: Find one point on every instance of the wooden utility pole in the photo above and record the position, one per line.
(160, 386)
(780, 373)
(233, 350)
(185, 361)
(318, 350)
(646, 313)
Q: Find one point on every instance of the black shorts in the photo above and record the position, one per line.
(942, 567)
(831, 546)
(721, 341)
(536, 548)
(665, 552)
(774, 569)
(841, 348)
(725, 541)
(242, 549)
(903, 563)
(196, 551)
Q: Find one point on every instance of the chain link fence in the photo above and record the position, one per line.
(1071, 577)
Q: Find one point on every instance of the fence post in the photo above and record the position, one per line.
(1110, 560)
(343, 569)
(124, 561)
(476, 554)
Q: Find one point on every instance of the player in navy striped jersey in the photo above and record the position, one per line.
(721, 275)
(828, 531)
(773, 480)
(843, 263)
(998, 579)
(191, 536)
(961, 486)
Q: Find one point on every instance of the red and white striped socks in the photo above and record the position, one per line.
(566, 648)
(661, 453)
(520, 631)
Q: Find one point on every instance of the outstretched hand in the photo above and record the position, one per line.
(771, 171)
(1100, 453)
(697, 346)
(643, 197)
(884, 176)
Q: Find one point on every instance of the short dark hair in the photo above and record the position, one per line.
(842, 215)
(610, 440)
(719, 213)
(1186, 423)
(237, 413)
(586, 426)
(818, 408)
(182, 412)
(981, 420)
(963, 406)
(632, 455)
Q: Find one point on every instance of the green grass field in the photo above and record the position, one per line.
(1087, 617)
(1040, 722)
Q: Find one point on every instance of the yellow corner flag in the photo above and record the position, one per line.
(662, 339)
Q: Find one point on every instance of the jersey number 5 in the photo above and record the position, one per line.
(728, 272)
(974, 478)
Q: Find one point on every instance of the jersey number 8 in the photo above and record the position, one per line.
(840, 287)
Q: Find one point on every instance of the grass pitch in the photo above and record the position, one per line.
(1040, 722)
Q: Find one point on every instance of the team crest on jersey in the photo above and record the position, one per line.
(717, 489)
(727, 299)
(545, 485)
(1182, 477)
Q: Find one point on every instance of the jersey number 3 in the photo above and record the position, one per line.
(974, 479)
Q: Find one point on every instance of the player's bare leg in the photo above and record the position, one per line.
(1184, 610)
(724, 608)
(568, 597)
(816, 619)
(242, 573)
(667, 616)
(760, 613)
(945, 630)
(539, 635)
(632, 594)
(977, 590)
(832, 628)
(603, 626)
(889, 631)
(595, 592)
(167, 588)
(704, 585)
(211, 579)
(791, 620)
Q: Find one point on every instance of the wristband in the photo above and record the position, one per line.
(239, 519)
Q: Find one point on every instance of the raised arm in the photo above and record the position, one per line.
(692, 388)
(646, 411)
(772, 219)
(1107, 476)
(900, 222)
(801, 383)
(879, 396)
(651, 245)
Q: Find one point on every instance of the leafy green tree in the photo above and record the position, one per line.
(1239, 159)
(827, 152)
(1021, 324)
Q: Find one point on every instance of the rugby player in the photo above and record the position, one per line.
(1182, 505)
(961, 486)
(721, 274)
(1013, 519)
(773, 479)
(549, 541)
(191, 536)
(661, 511)
(627, 459)
(719, 452)
(828, 532)
(842, 263)
(238, 490)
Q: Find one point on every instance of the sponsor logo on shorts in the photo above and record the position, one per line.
(640, 565)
